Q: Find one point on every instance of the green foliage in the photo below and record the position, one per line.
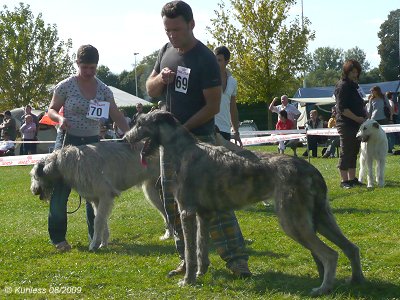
(136, 262)
(389, 46)
(268, 52)
(126, 79)
(327, 62)
(359, 55)
(32, 58)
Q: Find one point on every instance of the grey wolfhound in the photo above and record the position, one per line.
(98, 172)
(211, 178)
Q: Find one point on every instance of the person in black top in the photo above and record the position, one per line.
(187, 75)
(350, 115)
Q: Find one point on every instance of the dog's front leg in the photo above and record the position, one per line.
(202, 245)
(363, 164)
(106, 236)
(100, 221)
(188, 220)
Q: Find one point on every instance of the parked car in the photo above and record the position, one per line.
(247, 125)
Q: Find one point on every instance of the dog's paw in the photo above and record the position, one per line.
(316, 292)
(167, 235)
(185, 282)
(94, 245)
(359, 279)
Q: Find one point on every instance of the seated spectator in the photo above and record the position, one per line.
(333, 141)
(9, 126)
(28, 133)
(7, 146)
(283, 124)
(312, 140)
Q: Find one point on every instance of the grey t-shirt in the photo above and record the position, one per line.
(195, 70)
(76, 106)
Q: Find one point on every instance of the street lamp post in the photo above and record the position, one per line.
(136, 53)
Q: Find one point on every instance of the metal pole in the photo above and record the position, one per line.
(302, 31)
(136, 53)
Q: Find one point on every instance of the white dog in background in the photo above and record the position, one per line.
(374, 146)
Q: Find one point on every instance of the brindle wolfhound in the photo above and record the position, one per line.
(211, 178)
(98, 172)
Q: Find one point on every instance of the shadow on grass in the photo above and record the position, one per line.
(123, 248)
(351, 210)
(279, 282)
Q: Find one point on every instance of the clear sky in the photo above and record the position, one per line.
(119, 28)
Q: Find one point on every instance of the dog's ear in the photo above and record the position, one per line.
(376, 125)
(165, 117)
(50, 166)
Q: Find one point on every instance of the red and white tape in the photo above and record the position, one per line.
(256, 138)
(21, 160)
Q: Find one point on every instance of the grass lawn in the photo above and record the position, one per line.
(136, 263)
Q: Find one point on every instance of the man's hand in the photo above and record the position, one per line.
(167, 76)
(238, 141)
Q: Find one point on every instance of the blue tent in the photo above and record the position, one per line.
(323, 95)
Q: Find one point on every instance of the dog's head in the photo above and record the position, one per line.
(367, 129)
(152, 128)
(44, 174)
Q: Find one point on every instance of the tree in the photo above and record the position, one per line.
(105, 75)
(388, 49)
(32, 58)
(359, 55)
(327, 63)
(268, 51)
(327, 58)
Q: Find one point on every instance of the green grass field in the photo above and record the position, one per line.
(136, 263)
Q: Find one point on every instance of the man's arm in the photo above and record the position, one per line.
(156, 82)
(272, 105)
(235, 121)
(207, 112)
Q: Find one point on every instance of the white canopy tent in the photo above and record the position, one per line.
(123, 99)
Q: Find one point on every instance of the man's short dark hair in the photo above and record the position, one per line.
(176, 9)
(7, 113)
(283, 113)
(222, 50)
(87, 54)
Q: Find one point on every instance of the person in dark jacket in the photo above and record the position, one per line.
(350, 115)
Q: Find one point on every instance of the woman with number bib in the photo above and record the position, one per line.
(85, 101)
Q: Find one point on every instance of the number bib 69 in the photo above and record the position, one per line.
(98, 110)
(182, 79)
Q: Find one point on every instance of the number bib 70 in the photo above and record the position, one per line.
(98, 110)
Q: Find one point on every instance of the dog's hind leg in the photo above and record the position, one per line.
(327, 226)
(188, 220)
(370, 177)
(380, 172)
(202, 245)
(100, 221)
(302, 231)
